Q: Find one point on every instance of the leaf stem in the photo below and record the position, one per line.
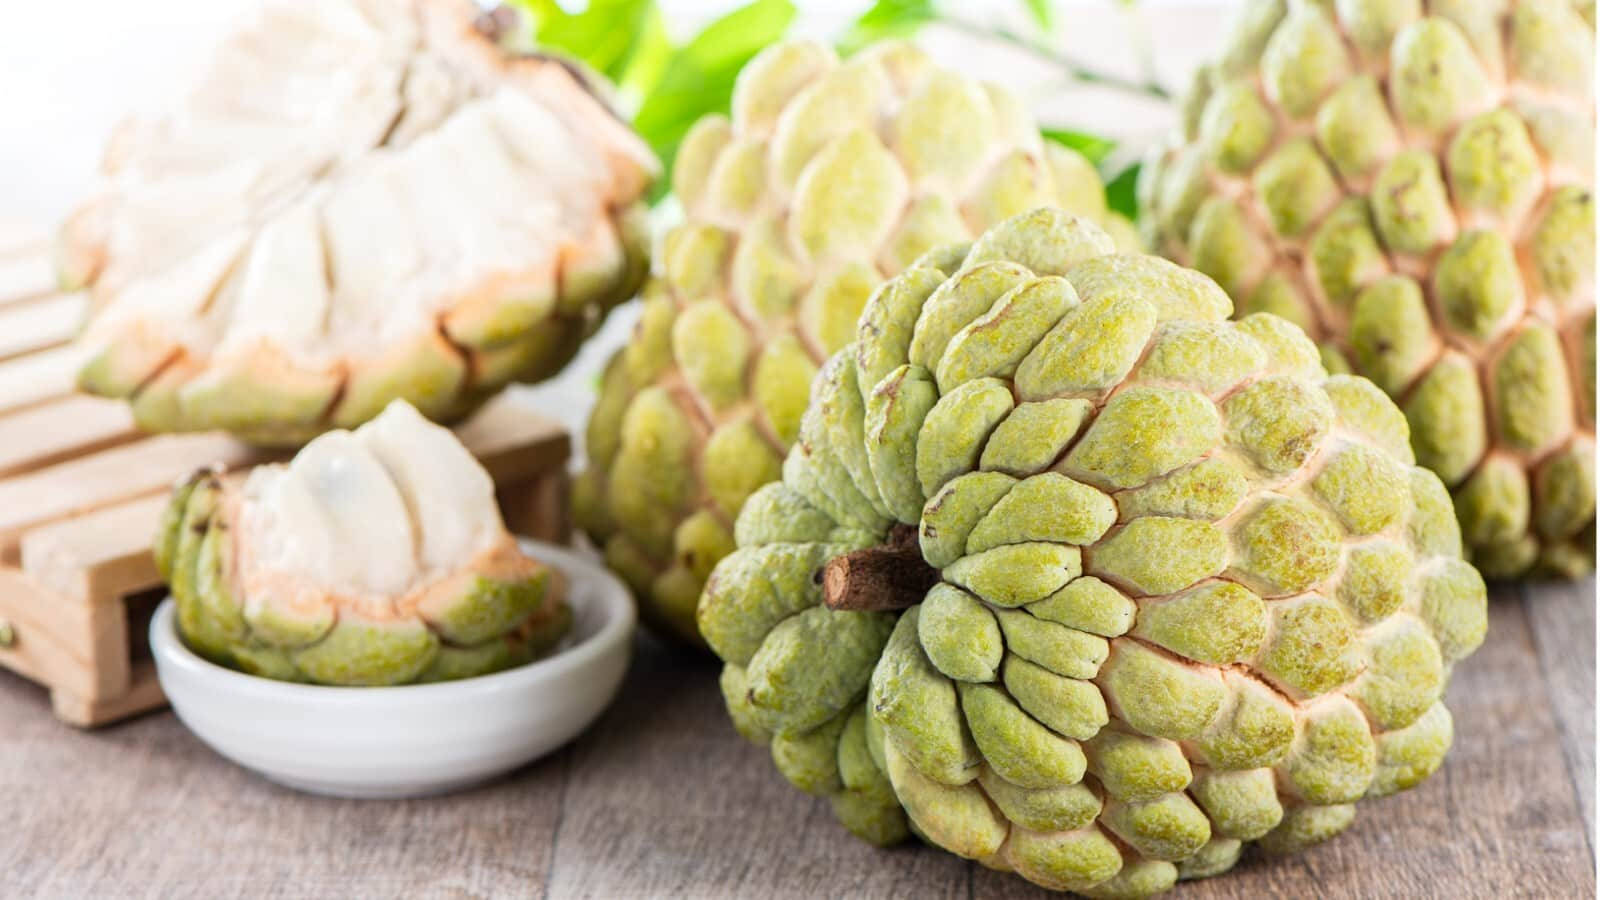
(1076, 70)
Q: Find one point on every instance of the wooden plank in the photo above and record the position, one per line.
(538, 507)
(25, 237)
(26, 275)
(40, 324)
(38, 377)
(75, 425)
(661, 798)
(107, 552)
(663, 782)
(53, 642)
(126, 811)
(122, 473)
(102, 554)
(142, 695)
(514, 442)
(1562, 616)
(84, 561)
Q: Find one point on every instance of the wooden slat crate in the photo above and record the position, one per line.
(81, 489)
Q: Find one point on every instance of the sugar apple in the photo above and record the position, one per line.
(362, 200)
(1168, 587)
(830, 176)
(1414, 185)
(375, 557)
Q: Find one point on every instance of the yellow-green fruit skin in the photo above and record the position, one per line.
(1413, 184)
(508, 613)
(1192, 591)
(828, 177)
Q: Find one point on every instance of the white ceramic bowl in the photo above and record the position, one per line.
(414, 739)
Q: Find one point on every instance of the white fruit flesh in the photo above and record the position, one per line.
(346, 178)
(449, 496)
(369, 515)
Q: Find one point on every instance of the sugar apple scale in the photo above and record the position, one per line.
(829, 176)
(1069, 574)
(374, 557)
(363, 200)
(1413, 183)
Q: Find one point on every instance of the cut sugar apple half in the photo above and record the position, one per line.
(1413, 183)
(362, 200)
(374, 557)
(1072, 576)
(829, 177)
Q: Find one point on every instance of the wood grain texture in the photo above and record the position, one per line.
(1562, 617)
(122, 473)
(143, 693)
(26, 273)
(72, 426)
(662, 799)
(40, 324)
(38, 377)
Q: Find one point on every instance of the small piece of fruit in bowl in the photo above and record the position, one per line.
(375, 557)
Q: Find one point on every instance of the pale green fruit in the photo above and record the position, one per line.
(829, 177)
(375, 557)
(300, 243)
(1414, 186)
(1189, 591)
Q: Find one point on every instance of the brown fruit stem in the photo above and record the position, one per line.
(890, 576)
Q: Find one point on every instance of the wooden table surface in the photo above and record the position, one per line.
(662, 799)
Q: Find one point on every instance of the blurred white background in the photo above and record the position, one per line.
(70, 72)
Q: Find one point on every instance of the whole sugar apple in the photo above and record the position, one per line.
(363, 200)
(1413, 183)
(829, 177)
(1072, 576)
(375, 557)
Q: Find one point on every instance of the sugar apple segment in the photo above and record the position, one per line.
(363, 201)
(373, 557)
(866, 805)
(1065, 703)
(1206, 600)
(829, 177)
(960, 635)
(957, 302)
(1062, 650)
(1243, 804)
(789, 691)
(1135, 768)
(1412, 183)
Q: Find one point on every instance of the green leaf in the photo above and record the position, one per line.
(651, 53)
(1120, 192)
(698, 78)
(887, 19)
(1043, 12)
(1093, 147)
(605, 35)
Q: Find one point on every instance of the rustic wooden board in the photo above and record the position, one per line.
(1562, 619)
(27, 262)
(662, 799)
(40, 376)
(75, 532)
(40, 323)
(81, 489)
